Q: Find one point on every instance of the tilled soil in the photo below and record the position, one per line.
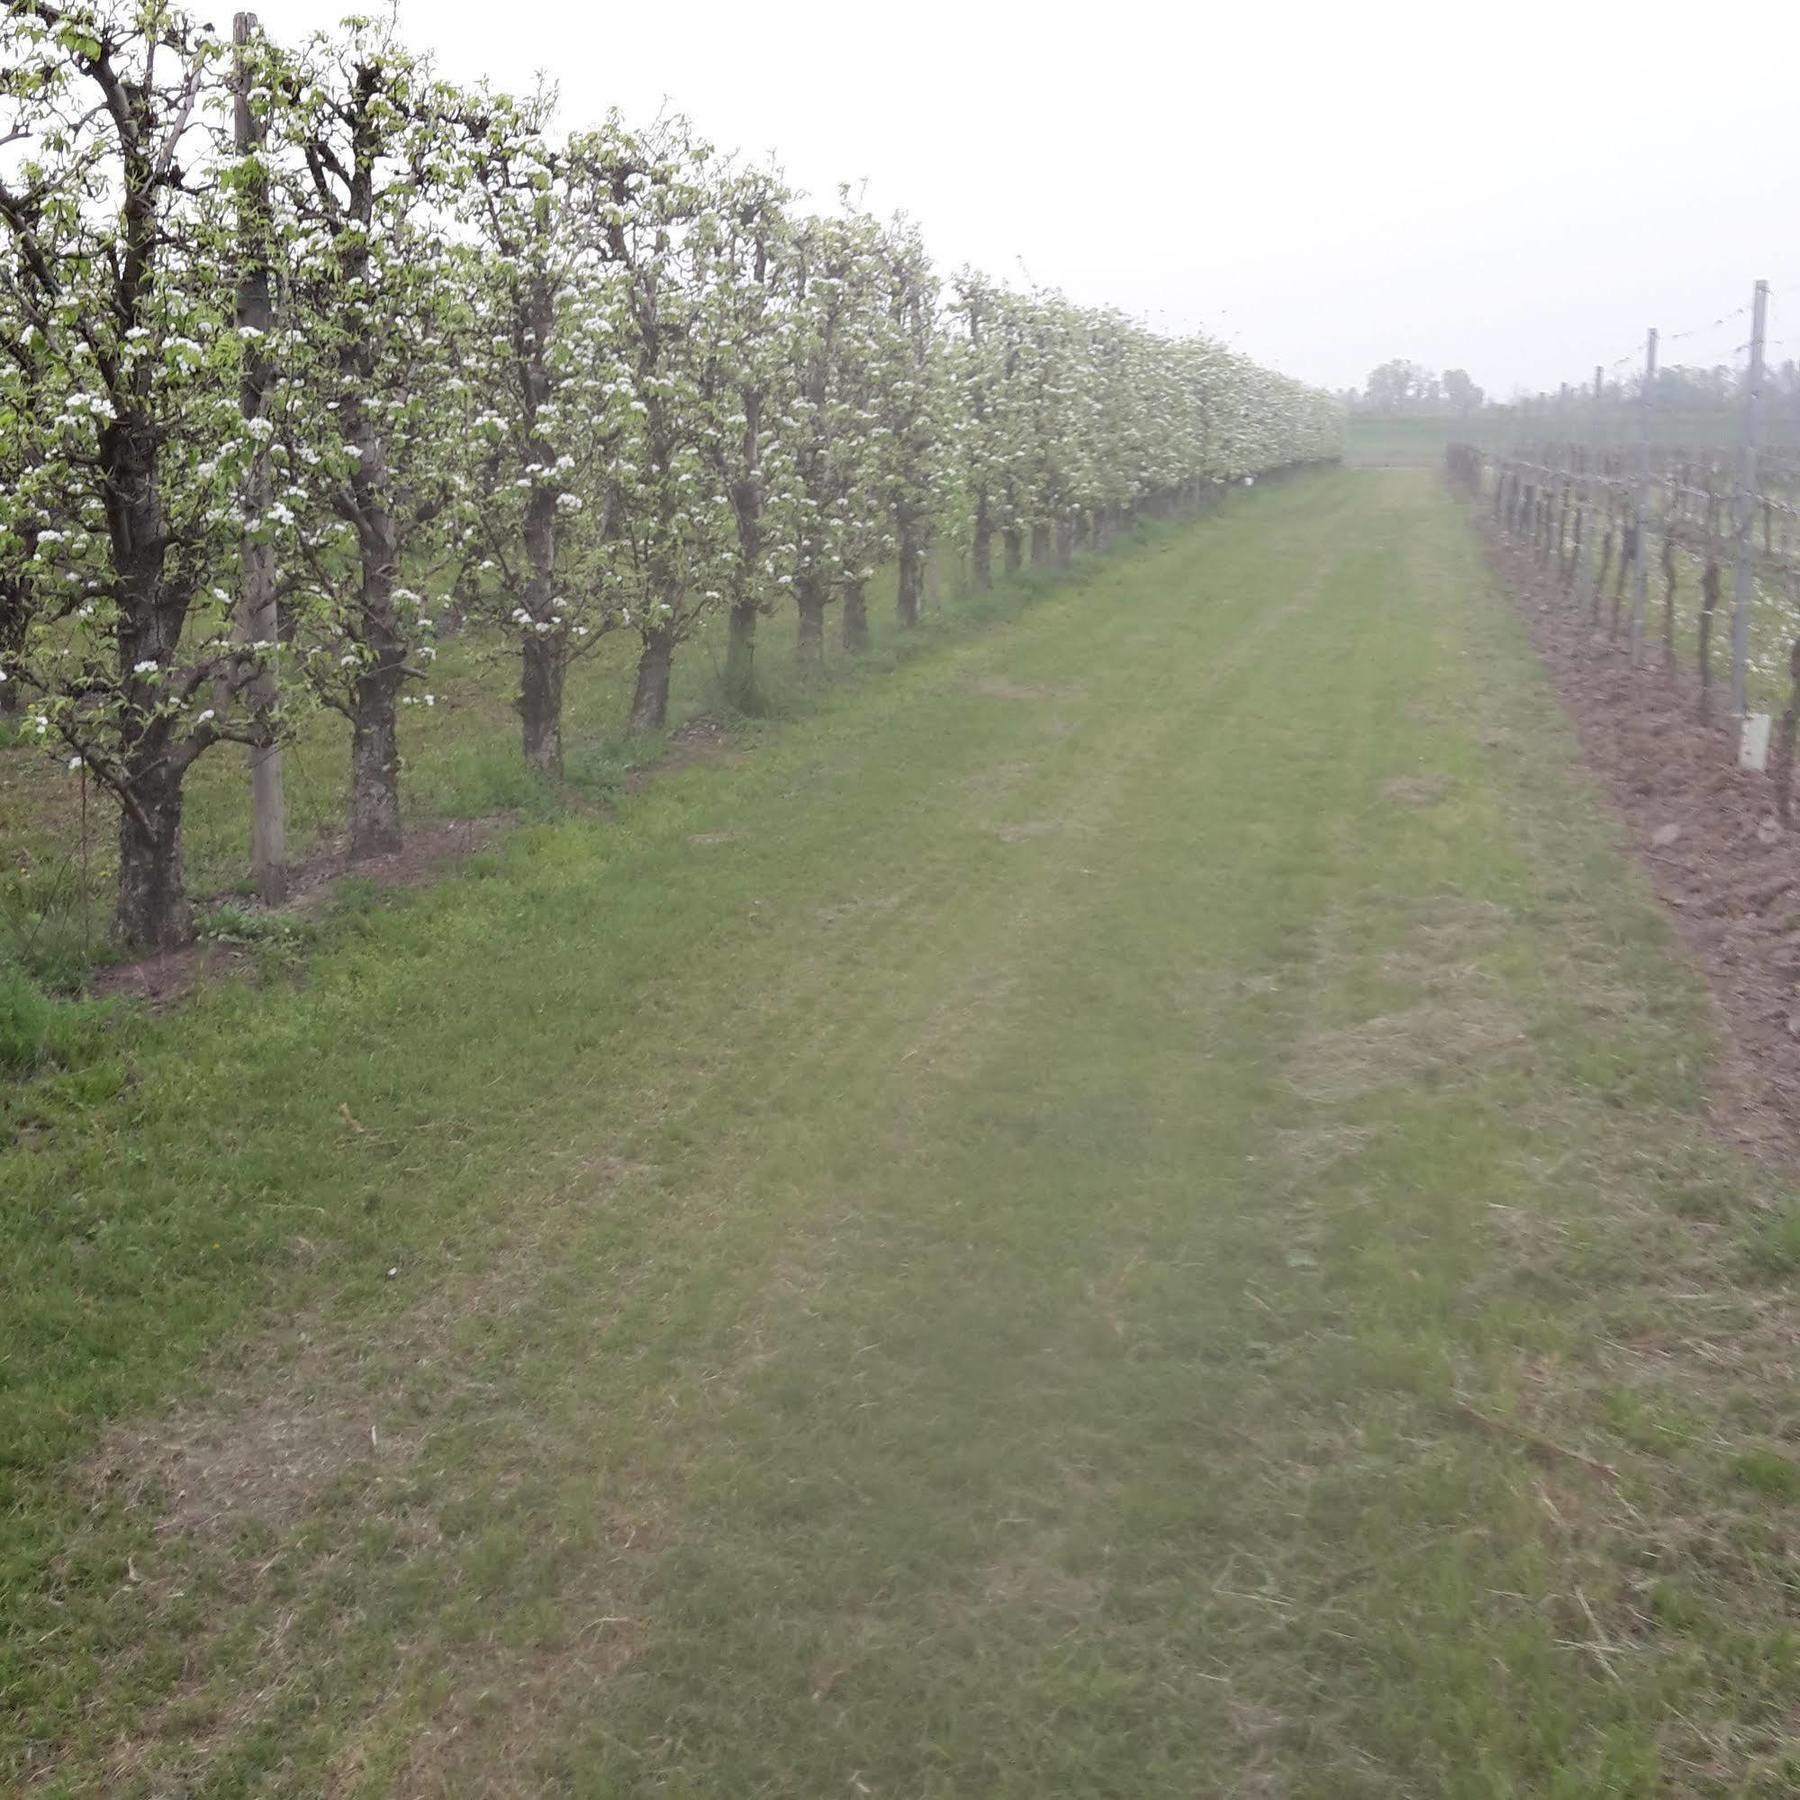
(1705, 830)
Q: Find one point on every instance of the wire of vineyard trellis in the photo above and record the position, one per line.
(1664, 495)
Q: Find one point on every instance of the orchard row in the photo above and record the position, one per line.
(302, 346)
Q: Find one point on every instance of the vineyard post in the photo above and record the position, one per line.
(1592, 492)
(256, 622)
(1744, 509)
(1640, 584)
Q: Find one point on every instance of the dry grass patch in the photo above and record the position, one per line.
(1033, 1580)
(1456, 1018)
(860, 906)
(1305, 1153)
(997, 780)
(1025, 830)
(1003, 687)
(1416, 790)
(1437, 1038)
(263, 1448)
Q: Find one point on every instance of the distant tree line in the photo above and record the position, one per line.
(1402, 389)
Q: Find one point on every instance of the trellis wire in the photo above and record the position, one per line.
(1576, 500)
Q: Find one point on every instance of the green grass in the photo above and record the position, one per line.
(1128, 1211)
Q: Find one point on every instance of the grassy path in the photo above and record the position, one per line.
(1125, 1213)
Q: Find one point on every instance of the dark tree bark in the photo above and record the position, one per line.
(1015, 549)
(12, 639)
(911, 595)
(650, 698)
(984, 544)
(856, 618)
(258, 610)
(1709, 605)
(373, 623)
(152, 905)
(543, 665)
(1040, 545)
(1668, 574)
(1786, 731)
(1628, 552)
(1606, 551)
(1065, 544)
(543, 656)
(809, 643)
(152, 912)
(375, 763)
(740, 655)
(375, 694)
(747, 500)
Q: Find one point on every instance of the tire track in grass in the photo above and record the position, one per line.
(946, 1369)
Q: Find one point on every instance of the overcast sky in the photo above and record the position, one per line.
(1514, 189)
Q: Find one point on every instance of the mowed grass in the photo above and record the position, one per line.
(1128, 1211)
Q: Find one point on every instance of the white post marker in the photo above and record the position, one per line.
(1753, 742)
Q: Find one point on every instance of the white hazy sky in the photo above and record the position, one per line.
(1517, 188)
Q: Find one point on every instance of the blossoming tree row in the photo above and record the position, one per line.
(301, 346)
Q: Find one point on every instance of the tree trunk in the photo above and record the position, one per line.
(258, 616)
(650, 698)
(1668, 573)
(856, 618)
(543, 655)
(375, 695)
(1065, 543)
(1709, 602)
(1606, 554)
(1015, 549)
(544, 663)
(809, 644)
(1628, 551)
(152, 909)
(375, 764)
(740, 656)
(912, 575)
(984, 546)
(1040, 545)
(12, 641)
(1785, 734)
